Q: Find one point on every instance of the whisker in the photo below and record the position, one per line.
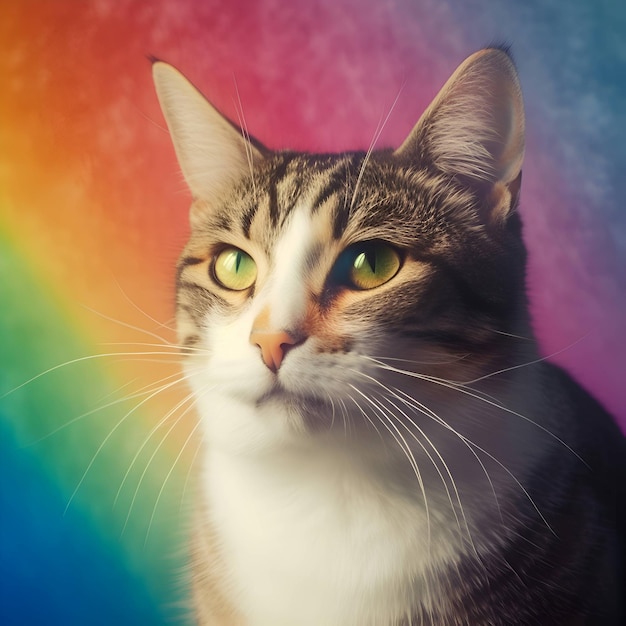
(428, 412)
(127, 325)
(460, 387)
(470, 443)
(366, 416)
(528, 363)
(115, 393)
(111, 433)
(445, 465)
(517, 481)
(244, 129)
(137, 394)
(154, 452)
(404, 446)
(149, 317)
(174, 347)
(81, 359)
(158, 498)
(454, 359)
(153, 430)
(192, 464)
(513, 335)
(345, 416)
(432, 445)
(476, 446)
(332, 417)
(379, 129)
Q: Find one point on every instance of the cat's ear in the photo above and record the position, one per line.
(212, 152)
(475, 126)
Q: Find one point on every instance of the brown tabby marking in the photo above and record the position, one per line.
(398, 454)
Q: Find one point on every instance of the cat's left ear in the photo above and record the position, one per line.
(212, 153)
(475, 129)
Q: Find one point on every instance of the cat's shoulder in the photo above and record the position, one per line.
(594, 432)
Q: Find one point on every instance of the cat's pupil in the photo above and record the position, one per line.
(372, 264)
(234, 269)
(369, 257)
(365, 265)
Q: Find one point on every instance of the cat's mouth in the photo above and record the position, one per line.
(280, 395)
(277, 393)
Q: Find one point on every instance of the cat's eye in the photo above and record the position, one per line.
(367, 265)
(234, 269)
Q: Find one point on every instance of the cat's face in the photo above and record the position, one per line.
(309, 280)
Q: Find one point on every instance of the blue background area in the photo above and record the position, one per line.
(84, 581)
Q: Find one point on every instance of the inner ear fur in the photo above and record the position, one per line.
(474, 130)
(212, 152)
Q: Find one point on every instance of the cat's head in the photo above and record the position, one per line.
(309, 279)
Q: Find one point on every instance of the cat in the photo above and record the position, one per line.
(384, 445)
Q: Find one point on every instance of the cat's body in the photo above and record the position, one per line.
(384, 445)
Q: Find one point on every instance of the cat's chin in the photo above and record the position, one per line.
(277, 394)
(314, 410)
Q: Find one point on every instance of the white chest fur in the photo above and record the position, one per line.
(314, 536)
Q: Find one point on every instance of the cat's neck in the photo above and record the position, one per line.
(340, 503)
(328, 510)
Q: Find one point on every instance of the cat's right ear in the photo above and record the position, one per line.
(212, 153)
(475, 128)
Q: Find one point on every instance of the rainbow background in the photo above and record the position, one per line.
(94, 464)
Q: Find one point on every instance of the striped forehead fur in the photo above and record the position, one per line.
(393, 202)
(425, 213)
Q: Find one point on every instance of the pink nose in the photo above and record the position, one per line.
(273, 345)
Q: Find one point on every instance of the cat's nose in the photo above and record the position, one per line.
(273, 345)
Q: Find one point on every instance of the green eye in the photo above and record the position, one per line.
(367, 265)
(234, 269)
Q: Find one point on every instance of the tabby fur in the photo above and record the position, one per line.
(404, 455)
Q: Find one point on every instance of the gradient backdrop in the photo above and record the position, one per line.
(95, 454)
